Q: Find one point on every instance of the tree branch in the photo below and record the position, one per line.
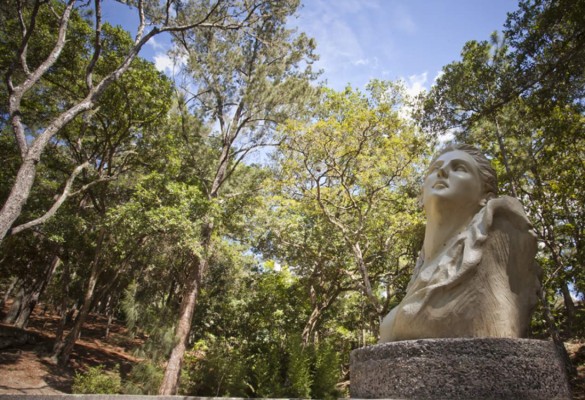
(97, 45)
(16, 93)
(60, 200)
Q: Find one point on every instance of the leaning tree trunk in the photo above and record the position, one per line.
(62, 349)
(8, 292)
(32, 297)
(367, 285)
(15, 307)
(170, 382)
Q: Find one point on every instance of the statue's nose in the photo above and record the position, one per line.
(442, 172)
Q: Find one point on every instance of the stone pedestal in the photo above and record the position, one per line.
(474, 368)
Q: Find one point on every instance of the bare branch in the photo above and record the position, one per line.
(140, 30)
(167, 11)
(16, 93)
(60, 200)
(97, 45)
(27, 32)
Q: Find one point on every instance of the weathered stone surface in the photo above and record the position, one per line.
(476, 275)
(463, 368)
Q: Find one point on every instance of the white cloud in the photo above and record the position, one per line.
(163, 62)
(439, 74)
(447, 136)
(337, 30)
(415, 84)
(156, 45)
(169, 65)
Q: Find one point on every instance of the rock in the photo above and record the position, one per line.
(462, 368)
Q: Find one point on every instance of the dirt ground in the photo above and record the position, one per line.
(26, 368)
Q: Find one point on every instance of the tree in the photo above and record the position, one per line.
(247, 81)
(355, 162)
(27, 71)
(104, 143)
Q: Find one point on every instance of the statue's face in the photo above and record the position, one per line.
(454, 176)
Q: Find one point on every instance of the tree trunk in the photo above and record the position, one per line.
(37, 289)
(569, 306)
(64, 309)
(362, 267)
(504, 154)
(8, 292)
(62, 350)
(170, 382)
(310, 325)
(18, 195)
(15, 307)
(318, 309)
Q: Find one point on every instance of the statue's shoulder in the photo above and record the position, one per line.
(510, 239)
(507, 212)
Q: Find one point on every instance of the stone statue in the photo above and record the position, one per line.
(476, 275)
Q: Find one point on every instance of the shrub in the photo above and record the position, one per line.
(299, 369)
(327, 373)
(145, 378)
(97, 381)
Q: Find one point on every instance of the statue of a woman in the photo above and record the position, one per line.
(476, 275)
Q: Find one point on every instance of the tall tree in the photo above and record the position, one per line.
(355, 161)
(104, 143)
(28, 70)
(246, 82)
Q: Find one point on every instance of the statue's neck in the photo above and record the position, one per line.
(440, 230)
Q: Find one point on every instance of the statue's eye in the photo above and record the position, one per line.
(461, 168)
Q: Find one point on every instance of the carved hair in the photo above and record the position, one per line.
(487, 173)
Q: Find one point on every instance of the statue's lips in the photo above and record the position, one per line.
(440, 185)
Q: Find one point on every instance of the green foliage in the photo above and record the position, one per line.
(327, 372)
(350, 176)
(267, 372)
(97, 381)
(298, 372)
(144, 378)
(218, 370)
(129, 306)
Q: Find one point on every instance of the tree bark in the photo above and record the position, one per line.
(15, 307)
(18, 195)
(62, 350)
(504, 153)
(359, 258)
(32, 297)
(569, 305)
(15, 280)
(170, 382)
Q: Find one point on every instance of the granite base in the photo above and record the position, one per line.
(475, 368)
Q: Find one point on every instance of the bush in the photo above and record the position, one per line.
(299, 370)
(145, 378)
(327, 373)
(97, 381)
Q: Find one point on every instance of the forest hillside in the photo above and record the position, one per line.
(238, 231)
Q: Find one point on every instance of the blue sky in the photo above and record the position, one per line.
(359, 40)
